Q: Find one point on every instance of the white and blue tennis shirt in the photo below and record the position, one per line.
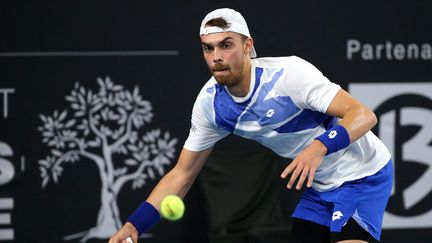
(285, 111)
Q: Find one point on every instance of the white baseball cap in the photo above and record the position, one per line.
(236, 23)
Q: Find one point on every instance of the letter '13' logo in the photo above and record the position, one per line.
(404, 112)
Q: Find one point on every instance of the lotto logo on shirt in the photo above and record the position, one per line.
(404, 111)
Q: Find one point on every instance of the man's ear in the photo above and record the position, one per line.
(249, 43)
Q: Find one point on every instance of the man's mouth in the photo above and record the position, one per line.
(220, 70)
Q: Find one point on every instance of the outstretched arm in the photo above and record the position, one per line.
(178, 182)
(357, 120)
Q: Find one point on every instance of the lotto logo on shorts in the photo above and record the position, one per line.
(337, 215)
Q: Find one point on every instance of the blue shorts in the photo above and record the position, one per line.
(364, 200)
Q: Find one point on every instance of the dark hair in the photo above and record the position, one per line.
(218, 22)
(223, 24)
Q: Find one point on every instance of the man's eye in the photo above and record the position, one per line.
(206, 48)
(227, 45)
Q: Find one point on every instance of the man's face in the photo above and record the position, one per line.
(226, 55)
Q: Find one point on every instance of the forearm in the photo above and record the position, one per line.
(173, 183)
(358, 120)
(179, 180)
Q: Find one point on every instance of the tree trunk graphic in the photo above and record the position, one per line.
(108, 219)
(104, 125)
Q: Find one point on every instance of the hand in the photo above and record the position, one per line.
(127, 230)
(305, 164)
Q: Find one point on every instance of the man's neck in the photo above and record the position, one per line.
(242, 89)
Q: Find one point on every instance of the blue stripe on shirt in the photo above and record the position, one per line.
(226, 109)
(270, 110)
(305, 120)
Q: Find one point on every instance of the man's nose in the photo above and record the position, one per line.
(217, 55)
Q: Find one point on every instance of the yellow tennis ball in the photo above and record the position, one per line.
(172, 208)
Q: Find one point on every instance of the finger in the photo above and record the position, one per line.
(302, 178)
(293, 178)
(288, 169)
(311, 177)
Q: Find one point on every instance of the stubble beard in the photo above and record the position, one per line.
(229, 80)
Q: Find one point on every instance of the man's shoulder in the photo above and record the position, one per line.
(291, 64)
(282, 61)
(208, 90)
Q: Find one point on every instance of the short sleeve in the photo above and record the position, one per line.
(204, 133)
(311, 89)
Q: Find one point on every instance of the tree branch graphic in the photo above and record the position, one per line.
(104, 127)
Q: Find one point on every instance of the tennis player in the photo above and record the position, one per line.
(286, 104)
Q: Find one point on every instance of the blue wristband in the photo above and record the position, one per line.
(335, 139)
(144, 217)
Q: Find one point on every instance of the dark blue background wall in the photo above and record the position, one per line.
(46, 47)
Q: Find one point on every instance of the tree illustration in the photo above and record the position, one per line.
(103, 127)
